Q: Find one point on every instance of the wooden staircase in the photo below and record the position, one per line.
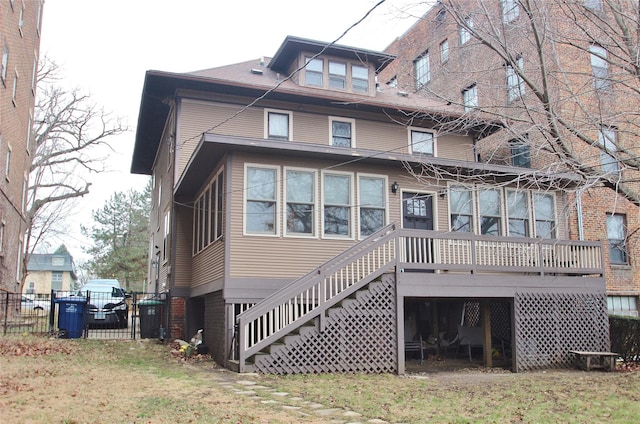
(306, 304)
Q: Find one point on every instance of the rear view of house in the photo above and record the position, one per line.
(311, 221)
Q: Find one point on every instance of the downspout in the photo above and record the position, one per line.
(579, 212)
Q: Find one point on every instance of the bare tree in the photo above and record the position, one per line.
(71, 139)
(561, 77)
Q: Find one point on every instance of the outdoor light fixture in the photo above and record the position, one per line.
(394, 187)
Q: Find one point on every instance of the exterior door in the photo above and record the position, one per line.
(417, 214)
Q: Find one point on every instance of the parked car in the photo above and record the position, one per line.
(107, 304)
(31, 303)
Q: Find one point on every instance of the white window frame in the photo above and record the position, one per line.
(631, 303)
(510, 10)
(277, 201)
(464, 33)
(422, 70)
(7, 166)
(450, 189)
(501, 213)
(279, 112)
(622, 227)
(314, 203)
(338, 77)
(411, 131)
(444, 51)
(607, 140)
(14, 90)
(354, 88)
(599, 67)
(554, 229)
(515, 83)
(4, 64)
(308, 71)
(351, 121)
(527, 218)
(470, 98)
(351, 207)
(166, 231)
(361, 205)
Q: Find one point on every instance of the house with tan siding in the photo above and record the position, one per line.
(307, 219)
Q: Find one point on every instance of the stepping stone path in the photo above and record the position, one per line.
(242, 385)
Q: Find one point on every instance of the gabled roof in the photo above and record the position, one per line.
(255, 80)
(51, 262)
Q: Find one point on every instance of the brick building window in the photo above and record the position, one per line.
(515, 83)
(470, 98)
(421, 70)
(599, 67)
(465, 35)
(444, 51)
(510, 10)
(520, 153)
(617, 235)
(607, 142)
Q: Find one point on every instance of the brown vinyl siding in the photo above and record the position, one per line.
(184, 234)
(455, 147)
(208, 265)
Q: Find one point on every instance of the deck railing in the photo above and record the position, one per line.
(311, 295)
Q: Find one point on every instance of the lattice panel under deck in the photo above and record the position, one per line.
(360, 336)
(549, 325)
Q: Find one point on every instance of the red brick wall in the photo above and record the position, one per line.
(177, 318)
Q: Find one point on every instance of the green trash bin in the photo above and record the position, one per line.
(150, 312)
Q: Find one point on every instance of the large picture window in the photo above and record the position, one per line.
(337, 205)
(372, 203)
(300, 202)
(261, 200)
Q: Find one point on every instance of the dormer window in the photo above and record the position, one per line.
(337, 75)
(313, 72)
(360, 78)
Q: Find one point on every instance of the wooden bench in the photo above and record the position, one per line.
(595, 360)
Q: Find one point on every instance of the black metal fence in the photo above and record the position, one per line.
(90, 315)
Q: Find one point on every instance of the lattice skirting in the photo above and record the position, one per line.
(549, 325)
(360, 336)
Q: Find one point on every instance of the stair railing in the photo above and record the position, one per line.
(311, 295)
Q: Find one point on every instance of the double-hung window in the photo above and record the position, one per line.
(360, 78)
(616, 234)
(421, 69)
(520, 153)
(515, 83)
(261, 200)
(313, 72)
(422, 142)
(278, 125)
(607, 142)
(465, 35)
(342, 132)
(444, 51)
(470, 98)
(461, 207)
(510, 10)
(4, 63)
(300, 202)
(337, 75)
(518, 213)
(599, 67)
(56, 280)
(490, 208)
(372, 202)
(545, 215)
(337, 204)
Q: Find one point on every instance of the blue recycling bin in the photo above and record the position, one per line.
(71, 316)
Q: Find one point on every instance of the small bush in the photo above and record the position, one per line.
(625, 337)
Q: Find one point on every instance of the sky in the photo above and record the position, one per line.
(104, 48)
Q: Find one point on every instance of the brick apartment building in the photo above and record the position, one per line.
(20, 24)
(485, 56)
